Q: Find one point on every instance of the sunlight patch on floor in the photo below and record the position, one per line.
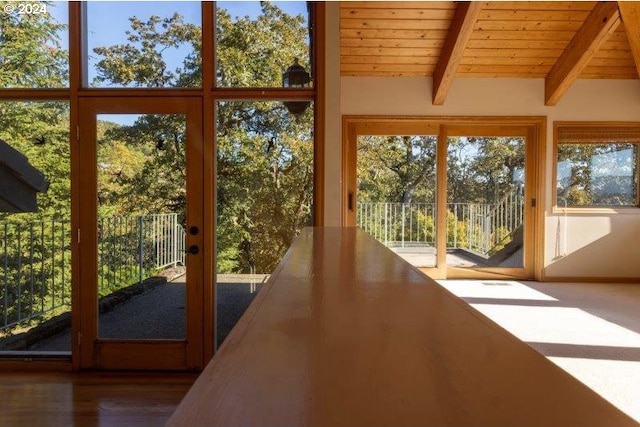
(601, 354)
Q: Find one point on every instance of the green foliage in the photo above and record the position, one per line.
(142, 167)
(35, 249)
(483, 169)
(427, 225)
(254, 53)
(265, 155)
(265, 184)
(31, 55)
(396, 168)
(22, 124)
(140, 61)
(36, 261)
(457, 232)
(264, 159)
(481, 172)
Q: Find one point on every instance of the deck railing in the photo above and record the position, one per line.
(482, 228)
(130, 248)
(35, 258)
(36, 269)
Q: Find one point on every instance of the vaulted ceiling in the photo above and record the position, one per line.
(557, 41)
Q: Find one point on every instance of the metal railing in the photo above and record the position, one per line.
(35, 258)
(36, 269)
(130, 248)
(399, 224)
(482, 228)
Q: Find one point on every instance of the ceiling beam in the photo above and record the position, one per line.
(458, 36)
(630, 14)
(601, 22)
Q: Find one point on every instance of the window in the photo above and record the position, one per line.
(34, 45)
(143, 84)
(35, 227)
(257, 41)
(597, 165)
(143, 44)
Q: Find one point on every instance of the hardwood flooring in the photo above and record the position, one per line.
(42, 399)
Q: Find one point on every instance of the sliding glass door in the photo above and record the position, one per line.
(453, 199)
(489, 203)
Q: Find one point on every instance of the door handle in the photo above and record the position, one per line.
(350, 201)
(193, 249)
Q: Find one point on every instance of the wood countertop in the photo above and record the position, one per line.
(346, 333)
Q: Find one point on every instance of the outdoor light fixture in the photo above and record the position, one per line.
(296, 77)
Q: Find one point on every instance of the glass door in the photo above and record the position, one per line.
(488, 201)
(454, 200)
(141, 234)
(392, 187)
(396, 185)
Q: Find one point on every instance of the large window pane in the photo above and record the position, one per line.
(34, 42)
(143, 44)
(264, 197)
(141, 225)
(257, 41)
(597, 175)
(485, 201)
(396, 178)
(35, 230)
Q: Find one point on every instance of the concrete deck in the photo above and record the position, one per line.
(163, 309)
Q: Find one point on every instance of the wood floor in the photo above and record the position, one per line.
(90, 399)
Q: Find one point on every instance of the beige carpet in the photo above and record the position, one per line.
(590, 330)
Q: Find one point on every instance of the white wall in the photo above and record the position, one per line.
(333, 117)
(576, 245)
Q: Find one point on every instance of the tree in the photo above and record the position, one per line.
(397, 168)
(483, 169)
(140, 61)
(265, 185)
(265, 156)
(36, 246)
(31, 55)
(255, 52)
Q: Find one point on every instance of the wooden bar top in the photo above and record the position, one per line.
(345, 333)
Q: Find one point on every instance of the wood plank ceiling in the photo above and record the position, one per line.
(557, 41)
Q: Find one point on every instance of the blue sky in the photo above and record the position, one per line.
(112, 15)
(108, 21)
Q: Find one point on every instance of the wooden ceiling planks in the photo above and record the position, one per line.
(630, 13)
(509, 39)
(393, 38)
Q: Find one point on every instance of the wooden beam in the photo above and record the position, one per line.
(630, 13)
(601, 22)
(453, 49)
